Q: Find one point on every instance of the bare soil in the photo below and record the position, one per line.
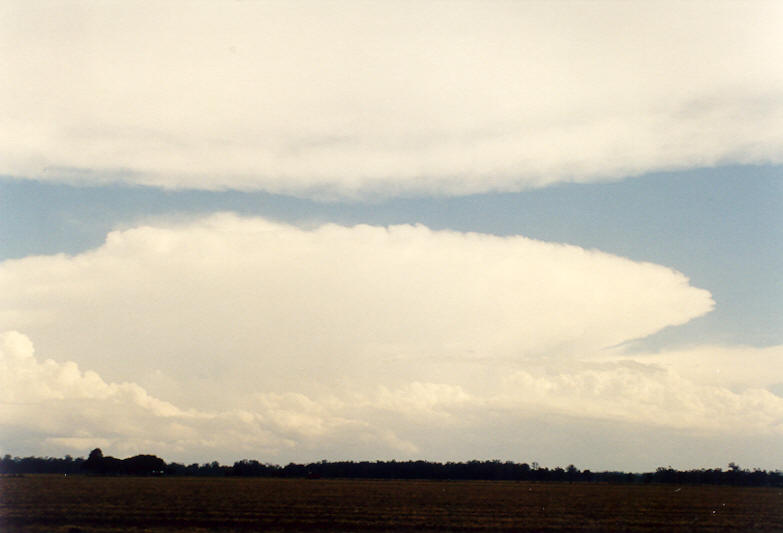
(102, 504)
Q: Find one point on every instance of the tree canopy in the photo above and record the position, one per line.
(151, 465)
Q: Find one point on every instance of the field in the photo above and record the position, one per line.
(102, 504)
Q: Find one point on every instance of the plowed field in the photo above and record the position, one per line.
(87, 504)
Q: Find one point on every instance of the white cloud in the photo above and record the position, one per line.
(413, 420)
(353, 98)
(72, 410)
(248, 304)
(25, 380)
(637, 393)
(227, 337)
(734, 367)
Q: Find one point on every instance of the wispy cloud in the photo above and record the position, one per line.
(348, 99)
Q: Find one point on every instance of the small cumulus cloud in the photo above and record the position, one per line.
(386, 99)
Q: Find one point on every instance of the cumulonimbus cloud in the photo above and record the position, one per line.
(228, 337)
(352, 98)
(267, 306)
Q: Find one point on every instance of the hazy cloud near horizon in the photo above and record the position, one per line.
(52, 405)
(349, 99)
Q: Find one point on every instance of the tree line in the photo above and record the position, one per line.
(150, 465)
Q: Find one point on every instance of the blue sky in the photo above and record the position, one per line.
(529, 231)
(720, 226)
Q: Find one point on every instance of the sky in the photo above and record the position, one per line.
(293, 231)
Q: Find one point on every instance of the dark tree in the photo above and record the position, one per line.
(94, 463)
(144, 465)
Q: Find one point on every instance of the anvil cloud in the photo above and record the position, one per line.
(349, 99)
(243, 334)
(247, 301)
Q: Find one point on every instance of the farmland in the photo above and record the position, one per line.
(37, 503)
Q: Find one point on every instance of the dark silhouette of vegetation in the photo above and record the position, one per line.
(146, 465)
(41, 465)
(138, 465)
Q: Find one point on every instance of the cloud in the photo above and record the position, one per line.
(227, 337)
(351, 99)
(67, 409)
(734, 367)
(246, 304)
(28, 381)
(55, 408)
(640, 394)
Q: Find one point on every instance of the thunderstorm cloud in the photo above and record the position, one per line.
(237, 335)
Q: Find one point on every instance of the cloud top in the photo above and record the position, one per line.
(349, 99)
(265, 303)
